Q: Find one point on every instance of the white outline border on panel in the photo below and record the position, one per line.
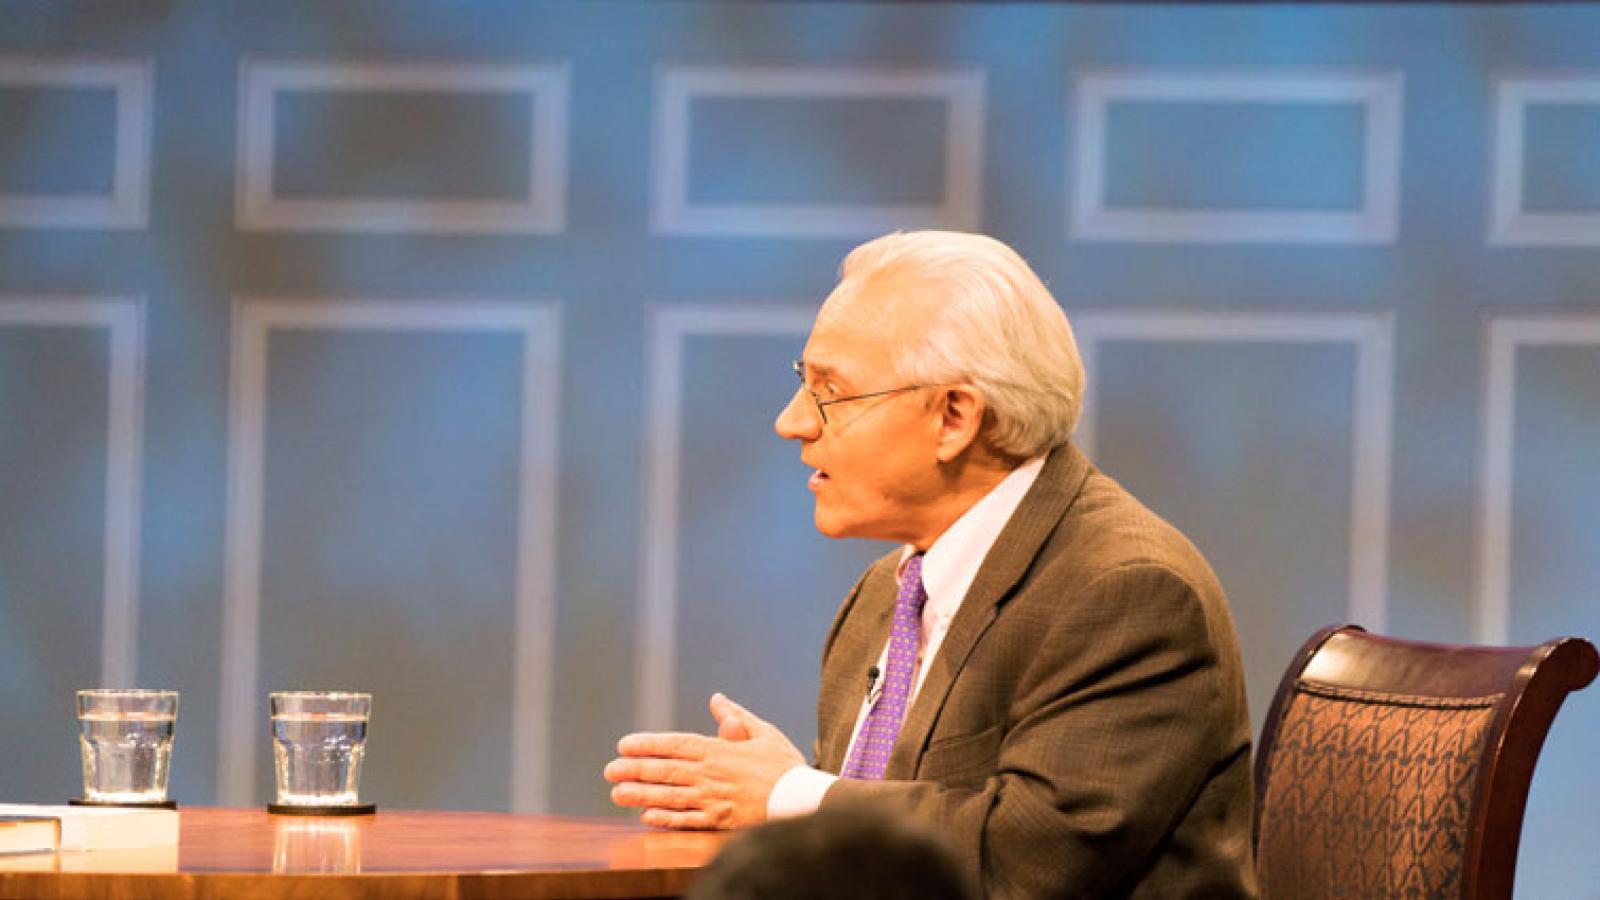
(673, 213)
(123, 319)
(128, 206)
(539, 323)
(668, 327)
(1504, 335)
(258, 208)
(1372, 335)
(1510, 224)
(1376, 222)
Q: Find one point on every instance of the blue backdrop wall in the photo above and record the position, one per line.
(432, 349)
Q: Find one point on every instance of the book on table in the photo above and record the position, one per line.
(87, 827)
(29, 834)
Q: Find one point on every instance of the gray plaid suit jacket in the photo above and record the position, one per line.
(1082, 731)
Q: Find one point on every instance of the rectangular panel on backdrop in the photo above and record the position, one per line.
(389, 548)
(53, 497)
(813, 152)
(757, 584)
(446, 148)
(75, 145)
(1246, 448)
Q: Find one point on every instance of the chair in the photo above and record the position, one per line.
(1398, 769)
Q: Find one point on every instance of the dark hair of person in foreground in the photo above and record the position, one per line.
(850, 854)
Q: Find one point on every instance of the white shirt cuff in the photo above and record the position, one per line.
(798, 793)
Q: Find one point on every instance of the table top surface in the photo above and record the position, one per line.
(251, 853)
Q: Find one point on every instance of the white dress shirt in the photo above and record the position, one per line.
(948, 569)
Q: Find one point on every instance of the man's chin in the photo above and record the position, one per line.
(831, 526)
(836, 526)
(828, 529)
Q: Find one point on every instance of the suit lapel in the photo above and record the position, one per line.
(1013, 552)
(858, 637)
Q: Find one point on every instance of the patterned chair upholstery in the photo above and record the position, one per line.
(1395, 769)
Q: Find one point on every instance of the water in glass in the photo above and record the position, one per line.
(318, 757)
(126, 756)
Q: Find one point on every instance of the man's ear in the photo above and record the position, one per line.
(961, 408)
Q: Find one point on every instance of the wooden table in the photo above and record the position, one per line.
(245, 853)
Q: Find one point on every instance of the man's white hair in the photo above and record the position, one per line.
(995, 325)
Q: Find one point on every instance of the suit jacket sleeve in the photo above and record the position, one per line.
(1110, 733)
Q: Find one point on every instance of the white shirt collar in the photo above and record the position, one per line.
(951, 564)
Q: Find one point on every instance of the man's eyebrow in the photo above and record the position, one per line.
(838, 378)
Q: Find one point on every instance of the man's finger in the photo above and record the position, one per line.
(678, 819)
(650, 769)
(659, 796)
(733, 724)
(725, 710)
(669, 745)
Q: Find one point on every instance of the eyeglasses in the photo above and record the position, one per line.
(822, 405)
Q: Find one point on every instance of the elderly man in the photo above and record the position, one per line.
(1046, 671)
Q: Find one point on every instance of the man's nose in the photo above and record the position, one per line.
(798, 421)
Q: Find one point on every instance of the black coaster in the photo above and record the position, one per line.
(148, 804)
(291, 809)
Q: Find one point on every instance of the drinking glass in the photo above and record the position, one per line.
(126, 741)
(319, 739)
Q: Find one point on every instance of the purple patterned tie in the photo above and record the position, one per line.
(870, 755)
